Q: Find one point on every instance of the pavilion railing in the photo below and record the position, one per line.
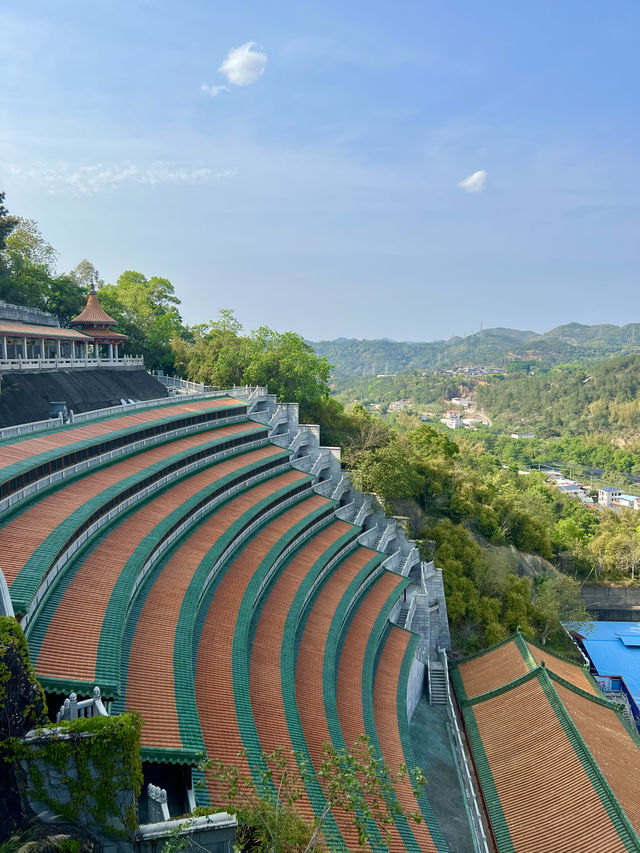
(127, 361)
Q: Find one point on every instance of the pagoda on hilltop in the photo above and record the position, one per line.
(96, 324)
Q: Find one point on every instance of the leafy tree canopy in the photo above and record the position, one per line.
(31, 277)
(7, 224)
(357, 784)
(219, 354)
(85, 275)
(146, 311)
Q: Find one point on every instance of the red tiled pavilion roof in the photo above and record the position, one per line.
(93, 314)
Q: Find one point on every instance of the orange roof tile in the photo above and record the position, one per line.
(214, 676)
(93, 312)
(30, 445)
(265, 673)
(150, 681)
(385, 711)
(611, 745)
(310, 665)
(23, 534)
(571, 672)
(26, 330)
(548, 800)
(85, 601)
(493, 669)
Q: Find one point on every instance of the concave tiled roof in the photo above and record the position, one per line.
(93, 313)
(549, 752)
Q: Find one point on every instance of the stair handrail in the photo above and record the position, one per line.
(477, 826)
(365, 510)
(410, 614)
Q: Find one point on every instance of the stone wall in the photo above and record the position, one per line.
(54, 780)
(612, 603)
(22, 314)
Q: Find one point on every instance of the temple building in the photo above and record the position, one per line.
(33, 339)
(29, 333)
(96, 324)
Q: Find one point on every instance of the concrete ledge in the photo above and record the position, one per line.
(219, 820)
(214, 833)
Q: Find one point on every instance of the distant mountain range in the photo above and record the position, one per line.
(488, 348)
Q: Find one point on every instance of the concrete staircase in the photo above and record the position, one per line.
(402, 615)
(437, 683)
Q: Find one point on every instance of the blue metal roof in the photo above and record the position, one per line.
(614, 649)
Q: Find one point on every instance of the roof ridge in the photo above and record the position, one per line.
(607, 797)
(580, 692)
(93, 312)
(521, 643)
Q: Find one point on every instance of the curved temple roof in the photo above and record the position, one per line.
(93, 314)
(555, 761)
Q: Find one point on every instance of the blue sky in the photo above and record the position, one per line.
(304, 163)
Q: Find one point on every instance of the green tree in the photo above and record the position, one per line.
(288, 367)
(146, 311)
(25, 243)
(388, 471)
(219, 354)
(84, 275)
(355, 782)
(7, 224)
(558, 600)
(428, 442)
(32, 278)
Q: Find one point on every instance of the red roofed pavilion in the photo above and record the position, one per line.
(94, 322)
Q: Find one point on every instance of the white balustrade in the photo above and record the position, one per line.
(410, 560)
(345, 513)
(365, 510)
(72, 709)
(477, 825)
(324, 488)
(21, 364)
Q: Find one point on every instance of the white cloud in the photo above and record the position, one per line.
(474, 183)
(213, 91)
(243, 64)
(99, 177)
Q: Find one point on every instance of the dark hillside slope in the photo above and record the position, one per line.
(25, 397)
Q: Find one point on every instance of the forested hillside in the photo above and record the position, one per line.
(488, 348)
(571, 399)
